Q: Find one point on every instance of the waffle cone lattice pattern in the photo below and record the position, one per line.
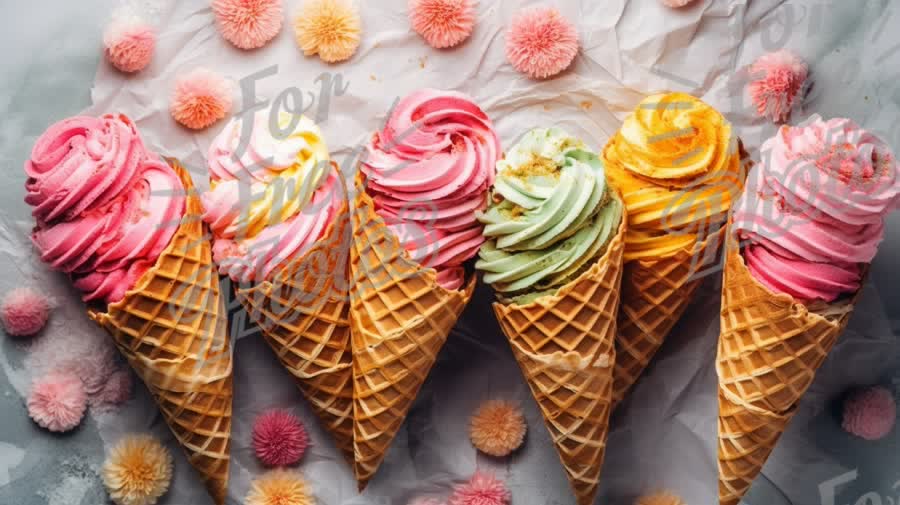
(655, 294)
(399, 318)
(303, 314)
(770, 348)
(171, 327)
(564, 344)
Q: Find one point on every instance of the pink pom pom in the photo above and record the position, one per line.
(870, 413)
(129, 43)
(57, 402)
(540, 42)
(778, 79)
(279, 438)
(482, 489)
(248, 24)
(116, 391)
(200, 98)
(24, 312)
(442, 23)
(676, 3)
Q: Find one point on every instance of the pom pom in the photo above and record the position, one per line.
(200, 98)
(248, 24)
(442, 23)
(24, 312)
(278, 438)
(482, 489)
(57, 402)
(137, 471)
(280, 487)
(129, 42)
(497, 428)
(777, 80)
(676, 3)
(116, 391)
(329, 28)
(540, 42)
(870, 413)
(663, 498)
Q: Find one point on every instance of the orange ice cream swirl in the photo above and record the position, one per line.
(677, 163)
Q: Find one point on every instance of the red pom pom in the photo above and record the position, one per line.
(482, 489)
(279, 438)
(248, 24)
(24, 312)
(778, 79)
(870, 414)
(540, 42)
(442, 23)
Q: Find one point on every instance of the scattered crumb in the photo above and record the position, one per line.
(866, 98)
(587, 104)
(546, 107)
(422, 61)
(372, 77)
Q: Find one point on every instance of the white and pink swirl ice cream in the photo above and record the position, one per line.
(813, 212)
(428, 171)
(105, 206)
(273, 193)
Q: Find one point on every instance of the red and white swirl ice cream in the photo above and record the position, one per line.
(105, 206)
(813, 212)
(272, 195)
(428, 172)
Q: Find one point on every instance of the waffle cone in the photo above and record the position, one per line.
(399, 318)
(302, 310)
(655, 294)
(565, 345)
(770, 348)
(171, 327)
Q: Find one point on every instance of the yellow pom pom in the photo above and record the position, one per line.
(329, 28)
(280, 487)
(497, 428)
(137, 471)
(662, 498)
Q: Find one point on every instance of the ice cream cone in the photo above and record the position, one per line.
(655, 294)
(399, 318)
(302, 310)
(770, 348)
(171, 327)
(564, 344)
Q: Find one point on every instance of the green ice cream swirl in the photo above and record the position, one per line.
(551, 214)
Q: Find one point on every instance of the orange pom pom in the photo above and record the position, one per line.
(497, 428)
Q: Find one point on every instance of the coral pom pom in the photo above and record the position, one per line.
(676, 3)
(540, 42)
(278, 438)
(482, 489)
(24, 312)
(497, 428)
(57, 402)
(200, 98)
(137, 471)
(870, 413)
(777, 80)
(442, 23)
(248, 24)
(664, 498)
(329, 28)
(129, 42)
(280, 487)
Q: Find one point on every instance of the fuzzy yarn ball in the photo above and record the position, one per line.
(329, 28)
(662, 498)
(129, 42)
(676, 3)
(280, 487)
(541, 43)
(279, 438)
(777, 80)
(200, 98)
(870, 413)
(442, 23)
(482, 489)
(57, 402)
(248, 24)
(137, 471)
(497, 428)
(24, 312)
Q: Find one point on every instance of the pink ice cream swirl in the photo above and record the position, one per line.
(813, 212)
(428, 172)
(105, 207)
